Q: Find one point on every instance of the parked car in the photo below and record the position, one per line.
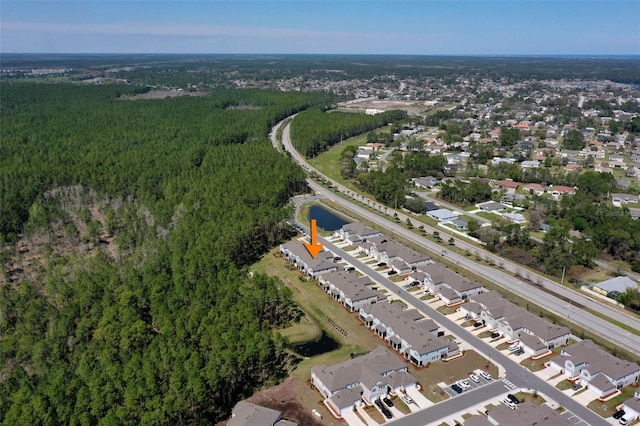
(464, 384)
(519, 352)
(456, 388)
(381, 264)
(386, 412)
(495, 334)
(478, 324)
(350, 269)
(513, 399)
(576, 387)
(407, 399)
(391, 272)
(486, 375)
(513, 347)
(618, 414)
(379, 404)
(474, 378)
(388, 402)
(509, 403)
(626, 419)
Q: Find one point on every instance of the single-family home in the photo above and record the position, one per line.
(443, 215)
(618, 199)
(247, 414)
(530, 164)
(614, 286)
(428, 182)
(491, 206)
(361, 380)
(515, 217)
(601, 372)
(508, 185)
(534, 188)
(558, 190)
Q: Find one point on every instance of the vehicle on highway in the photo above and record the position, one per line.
(618, 414)
(474, 378)
(407, 399)
(519, 352)
(388, 402)
(513, 399)
(486, 375)
(509, 403)
(386, 412)
(456, 388)
(576, 387)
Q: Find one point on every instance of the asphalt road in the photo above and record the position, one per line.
(557, 306)
(515, 373)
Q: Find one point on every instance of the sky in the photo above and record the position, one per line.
(421, 27)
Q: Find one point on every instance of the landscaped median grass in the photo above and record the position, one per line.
(531, 397)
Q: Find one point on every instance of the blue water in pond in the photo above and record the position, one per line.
(325, 219)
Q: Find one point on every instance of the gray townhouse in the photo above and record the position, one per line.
(598, 370)
(402, 259)
(452, 288)
(296, 253)
(247, 414)
(350, 290)
(536, 335)
(361, 380)
(357, 233)
(408, 332)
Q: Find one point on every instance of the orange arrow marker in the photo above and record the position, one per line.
(315, 247)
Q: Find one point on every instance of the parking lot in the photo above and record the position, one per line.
(472, 385)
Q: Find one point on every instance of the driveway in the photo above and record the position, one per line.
(367, 418)
(419, 399)
(352, 419)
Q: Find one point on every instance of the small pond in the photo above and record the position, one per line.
(326, 219)
(316, 347)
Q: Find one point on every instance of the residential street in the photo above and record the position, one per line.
(515, 373)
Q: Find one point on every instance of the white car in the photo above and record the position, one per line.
(464, 384)
(509, 403)
(474, 378)
(486, 375)
(407, 399)
(513, 347)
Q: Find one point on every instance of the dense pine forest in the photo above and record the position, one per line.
(126, 226)
(314, 131)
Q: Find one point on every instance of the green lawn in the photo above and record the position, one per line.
(606, 409)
